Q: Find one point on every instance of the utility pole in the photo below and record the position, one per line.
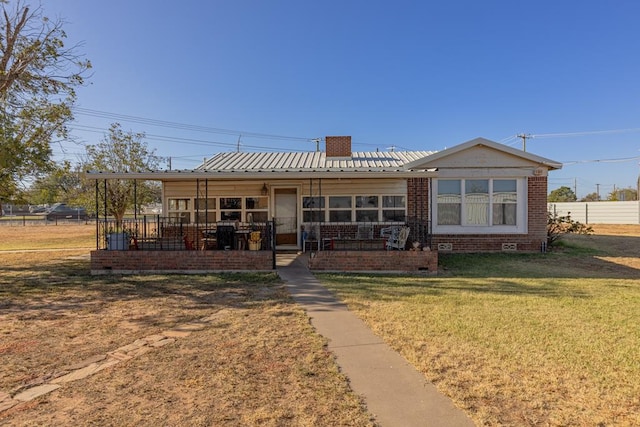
(317, 141)
(575, 186)
(524, 137)
(598, 191)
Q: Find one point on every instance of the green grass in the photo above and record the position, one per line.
(516, 339)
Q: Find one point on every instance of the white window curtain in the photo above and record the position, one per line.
(477, 209)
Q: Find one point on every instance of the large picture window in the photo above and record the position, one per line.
(479, 203)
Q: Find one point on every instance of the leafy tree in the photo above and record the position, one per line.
(121, 151)
(622, 194)
(591, 197)
(63, 183)
(562, 194)
(559, 225)
(38, 77)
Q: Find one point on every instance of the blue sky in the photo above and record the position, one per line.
(417, 75)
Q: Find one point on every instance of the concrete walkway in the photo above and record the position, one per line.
(394, 391)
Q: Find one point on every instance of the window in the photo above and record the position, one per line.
(361, 208)
(393, 208)
(505, 201)
(367, 208)
(480, 203)
(206, 210)
(313, 209)
(230, 208)
(179, 210)
(340, 208)
(256, 209)
(476, 199)
(449, 202)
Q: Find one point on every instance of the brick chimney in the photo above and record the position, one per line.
(338, 146)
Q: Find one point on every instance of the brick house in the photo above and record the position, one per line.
(474, 197)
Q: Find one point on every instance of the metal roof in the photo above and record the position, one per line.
(312, 161)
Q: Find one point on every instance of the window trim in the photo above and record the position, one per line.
(193, 211)
(521, 210)
(326, 210)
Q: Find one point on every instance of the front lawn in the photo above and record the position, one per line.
(518, 339)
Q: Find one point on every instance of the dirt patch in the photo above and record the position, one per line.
(258, 363)
(617, 244)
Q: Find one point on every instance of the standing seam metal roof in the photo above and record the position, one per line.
(309, 161)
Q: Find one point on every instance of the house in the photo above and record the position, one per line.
(474, 197)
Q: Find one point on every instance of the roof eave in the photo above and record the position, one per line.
(247, 175)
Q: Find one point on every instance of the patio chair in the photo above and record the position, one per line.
(188, 243)
(398, 238)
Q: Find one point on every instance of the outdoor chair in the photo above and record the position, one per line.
(188, 243)
(398, 238)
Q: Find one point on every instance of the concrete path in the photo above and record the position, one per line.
(394, 391)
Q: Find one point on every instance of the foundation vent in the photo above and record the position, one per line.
(445, 246)
(509, 247)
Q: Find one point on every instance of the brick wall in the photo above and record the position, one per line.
(338, 146)
(418, 198)
(537, 187)
(178, 261)
(411, 261)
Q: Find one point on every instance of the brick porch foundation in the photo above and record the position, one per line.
(400, 261)
(105, 262)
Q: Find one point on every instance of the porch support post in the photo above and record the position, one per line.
(135, 199)
(206, 202)
(197, 220)
(273, 243)
(105, 212)
(97, 215)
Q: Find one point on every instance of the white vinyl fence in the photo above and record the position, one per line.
(599, 212)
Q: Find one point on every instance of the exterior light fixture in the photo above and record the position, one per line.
(264, 190)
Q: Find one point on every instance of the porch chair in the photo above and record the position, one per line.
(188, 243)
(312, 237)
(398, 238)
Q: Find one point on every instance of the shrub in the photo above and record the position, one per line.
(558, 226)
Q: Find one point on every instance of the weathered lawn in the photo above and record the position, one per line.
(261, 363)
(520, 339)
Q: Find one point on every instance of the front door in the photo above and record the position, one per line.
(286, 214)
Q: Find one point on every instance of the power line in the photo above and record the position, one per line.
(183, 126)
(585, 133)
(621, 160)
(190, 141)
